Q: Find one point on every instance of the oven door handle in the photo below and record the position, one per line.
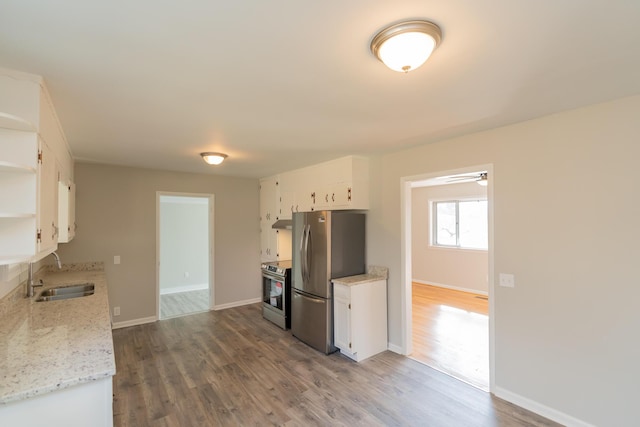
(269, 275)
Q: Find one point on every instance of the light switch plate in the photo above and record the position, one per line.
(116, 259)
(507, 280)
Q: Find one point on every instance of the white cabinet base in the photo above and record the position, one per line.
(89, 404)
(360, 318)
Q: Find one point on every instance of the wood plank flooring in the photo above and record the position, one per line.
(183, 303)
(451, 332)
(233, 368)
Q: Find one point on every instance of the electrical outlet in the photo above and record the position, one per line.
(116, 311)
(507, 280)
(186, 274)
(116, 259)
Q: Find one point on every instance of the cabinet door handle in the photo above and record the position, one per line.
(333, 197)
(326, 198)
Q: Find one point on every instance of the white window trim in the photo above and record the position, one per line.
(432, 220)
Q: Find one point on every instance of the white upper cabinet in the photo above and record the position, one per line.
(338, 184)
(33, 156)
(47, 235)
(66, 211)
(269, 195)
(269, 211)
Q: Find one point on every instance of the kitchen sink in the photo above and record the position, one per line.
(66, 292)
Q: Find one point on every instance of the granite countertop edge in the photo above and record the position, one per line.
(54, 345)
(373, 274)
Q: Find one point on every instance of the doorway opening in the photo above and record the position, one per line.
(447, 272)
(184, 254)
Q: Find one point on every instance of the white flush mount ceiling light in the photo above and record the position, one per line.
(213, 158)
(405, 46)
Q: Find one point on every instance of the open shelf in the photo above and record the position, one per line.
(15, 167)
(9, 121)
(17, 215)
(14, 259)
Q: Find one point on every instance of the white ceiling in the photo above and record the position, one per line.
(283, 84)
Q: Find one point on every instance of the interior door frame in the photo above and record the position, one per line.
(211, 201)
(406, 185)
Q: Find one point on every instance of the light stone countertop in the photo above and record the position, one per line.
(48, 346)
(374, 273)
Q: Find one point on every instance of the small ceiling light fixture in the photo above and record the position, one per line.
(405, 46)
(213, 158)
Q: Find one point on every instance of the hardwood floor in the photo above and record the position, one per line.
(451, 332)
(233, 368)
(183, 303)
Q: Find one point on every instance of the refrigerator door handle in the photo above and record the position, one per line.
(302, 254)
(308, 251)
(316, 300)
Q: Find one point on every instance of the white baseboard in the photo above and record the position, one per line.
(187, 288)
(134, 322)
(395, 349)
(236, 304)
(455, 288)
(539, 408)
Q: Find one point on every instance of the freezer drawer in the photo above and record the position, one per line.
(312, 321)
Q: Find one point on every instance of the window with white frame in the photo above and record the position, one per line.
(460, 224)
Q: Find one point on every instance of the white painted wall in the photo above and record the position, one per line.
(463, 269)
(566, 211)
(184, 248)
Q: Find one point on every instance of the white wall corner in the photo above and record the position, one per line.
(395, 348)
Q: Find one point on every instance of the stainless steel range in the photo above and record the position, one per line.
(276, 293)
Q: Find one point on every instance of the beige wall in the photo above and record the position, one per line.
(116, 215)
(566, 211)
(464, 269)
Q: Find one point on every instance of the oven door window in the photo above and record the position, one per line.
(273, 292)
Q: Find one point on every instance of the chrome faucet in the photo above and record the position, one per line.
(55, 255)
(30, 284)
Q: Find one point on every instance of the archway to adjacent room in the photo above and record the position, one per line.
(184, 254)
(447, 279)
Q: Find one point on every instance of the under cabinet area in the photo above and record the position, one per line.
(360, 316)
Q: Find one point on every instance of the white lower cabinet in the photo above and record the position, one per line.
(360, 318)
(88, 404)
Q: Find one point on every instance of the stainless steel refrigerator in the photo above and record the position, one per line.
(326, 245)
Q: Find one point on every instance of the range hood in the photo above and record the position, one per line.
(283, 224)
